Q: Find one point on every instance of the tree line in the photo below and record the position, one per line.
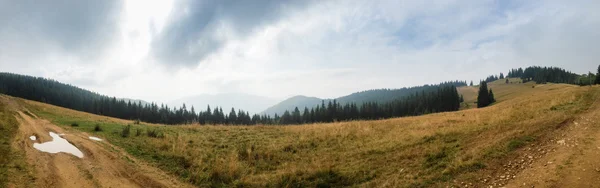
(544, 74)
(444, 98)
(436, 98)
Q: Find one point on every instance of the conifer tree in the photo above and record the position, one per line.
(232, 118)
(598, 75)
(483, 95)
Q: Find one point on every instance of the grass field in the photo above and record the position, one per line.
(431, 150)
(12, 166)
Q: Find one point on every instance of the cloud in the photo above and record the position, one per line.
(36, 28)
(168, 50)
(198, 28)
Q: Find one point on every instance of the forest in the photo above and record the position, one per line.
(407, 101)
(430, 99)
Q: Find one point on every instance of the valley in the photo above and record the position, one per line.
(541, 135)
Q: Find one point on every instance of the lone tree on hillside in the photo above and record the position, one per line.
(598, 75)
(485, 96)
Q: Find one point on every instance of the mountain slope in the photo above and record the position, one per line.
(375, 95)
(293, 102)
(102, 164)
(528, 126)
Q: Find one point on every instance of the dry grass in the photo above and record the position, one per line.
(422, 151)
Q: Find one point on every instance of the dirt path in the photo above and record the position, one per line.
(103, 164)
(569, 159)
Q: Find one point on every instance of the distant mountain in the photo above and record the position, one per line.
(289, 104)
(374, 95)
(251, 103)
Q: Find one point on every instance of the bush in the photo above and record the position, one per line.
(138, 132)
(137, 122)
(97, 128)
(126, 131)
(155, 133)
(74, 125)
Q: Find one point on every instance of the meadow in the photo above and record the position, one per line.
(430, 150)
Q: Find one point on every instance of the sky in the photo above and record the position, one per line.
(164, 50)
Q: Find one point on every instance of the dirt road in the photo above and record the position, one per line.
(103, 164)
(570, 158)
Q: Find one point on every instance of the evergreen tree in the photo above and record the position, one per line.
(483, 95)
(296, 117)
(232, 118)
(471, 84)
(501, 76)
(306, 116)
(491, 97)
(598, 75)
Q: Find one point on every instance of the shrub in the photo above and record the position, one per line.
(74, 125)
(138, 132)
(97, 128)
(126, 131)
(155, 133)
(137, 122)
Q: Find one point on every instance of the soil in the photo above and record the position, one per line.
(103, 164)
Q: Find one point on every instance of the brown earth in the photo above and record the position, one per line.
(103, 164)
(569, 159)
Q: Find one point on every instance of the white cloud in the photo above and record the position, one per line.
(332, 48)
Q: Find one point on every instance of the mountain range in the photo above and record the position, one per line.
(374, 95)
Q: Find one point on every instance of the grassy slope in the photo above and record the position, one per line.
(415, 151)
(12, 163)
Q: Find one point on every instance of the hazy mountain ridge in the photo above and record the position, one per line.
(251, 103)
(299, 101)
(373, 95)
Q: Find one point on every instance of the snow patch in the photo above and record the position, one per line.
(95, 138)
(58, 144)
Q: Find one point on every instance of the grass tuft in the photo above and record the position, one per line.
(97, 128)
(126, 131)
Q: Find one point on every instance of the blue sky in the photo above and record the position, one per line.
(165, 50)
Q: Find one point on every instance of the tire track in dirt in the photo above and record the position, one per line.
(570, 159)
(103, 164)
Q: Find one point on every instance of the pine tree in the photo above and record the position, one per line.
(232, 118)
(483, 95)
(598, 75)
(501, 76)
(471, 84)
(306, 116)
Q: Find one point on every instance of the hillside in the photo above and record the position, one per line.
(293, 102)
(540, 136)
(374, 95)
